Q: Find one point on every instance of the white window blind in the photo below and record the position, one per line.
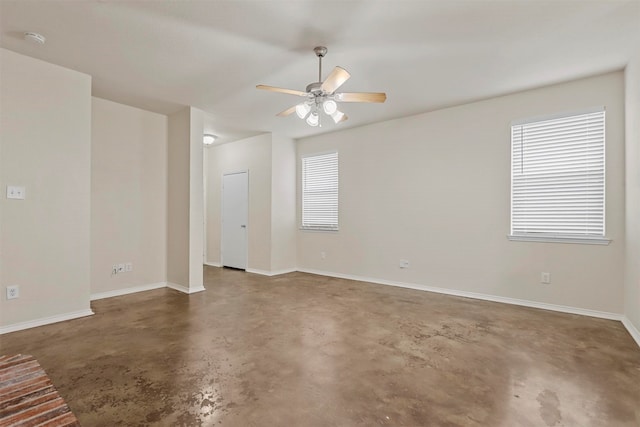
(558, 177)
(320, 192)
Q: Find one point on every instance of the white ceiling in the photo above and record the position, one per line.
(162, 55)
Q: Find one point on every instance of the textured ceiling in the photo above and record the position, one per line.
(163, 55)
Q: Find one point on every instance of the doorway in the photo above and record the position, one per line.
(235, 206)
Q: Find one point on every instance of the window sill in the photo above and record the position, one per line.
(321, 230)
(571, 240)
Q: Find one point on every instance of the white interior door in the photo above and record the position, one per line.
(235, 204)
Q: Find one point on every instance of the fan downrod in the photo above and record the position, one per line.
(320, 51)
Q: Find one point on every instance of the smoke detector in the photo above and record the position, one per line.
(34, 37)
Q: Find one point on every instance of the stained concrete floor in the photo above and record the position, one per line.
(305, 350)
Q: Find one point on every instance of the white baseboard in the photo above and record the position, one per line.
(256, 271)
(271, 273)
(485, 297)
(635, 334)
(184, 289)
(45, 321)
(126, 291)
(213, 264)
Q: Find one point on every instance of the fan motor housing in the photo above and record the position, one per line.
(314, 88)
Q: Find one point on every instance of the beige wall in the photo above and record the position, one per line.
(196, 200)
(632, 271)
(185, 217)
(45, 145)
(128, 196)
(434, 189)
(253, 155)
(283, 204)
(178, 198)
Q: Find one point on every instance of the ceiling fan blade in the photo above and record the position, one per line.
(282, 90)
(337, 77)
(361, 97)
(286, 112)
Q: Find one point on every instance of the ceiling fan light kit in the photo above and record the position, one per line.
(329, 106)
(338, 116)
(313, 119)
(302, 110)
(322, 96)
(311, 110)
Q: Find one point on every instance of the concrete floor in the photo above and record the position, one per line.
(305, 350)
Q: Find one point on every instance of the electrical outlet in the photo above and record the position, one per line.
(545, 278)
(128, 266)
(15, 192)
(13, 292)
(404, 263)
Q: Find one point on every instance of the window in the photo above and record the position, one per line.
(558, 177)
(320, 192)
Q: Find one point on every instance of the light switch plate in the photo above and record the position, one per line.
(13, 292)
(15, 192)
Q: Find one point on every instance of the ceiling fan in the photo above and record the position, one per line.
(322, 95)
